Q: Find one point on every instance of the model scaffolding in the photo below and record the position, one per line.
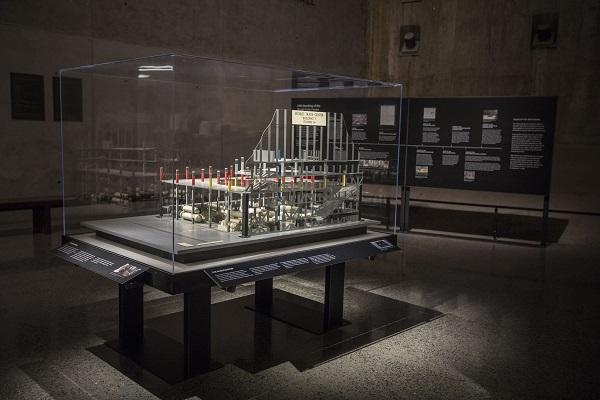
(303, 172)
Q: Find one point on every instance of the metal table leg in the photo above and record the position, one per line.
(334, 296)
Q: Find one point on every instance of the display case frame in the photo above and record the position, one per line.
(162, 136)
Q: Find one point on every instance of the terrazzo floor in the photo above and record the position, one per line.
(519, 323)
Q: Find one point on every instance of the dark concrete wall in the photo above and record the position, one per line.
(482, 48)
(327, 36)
(40, 37)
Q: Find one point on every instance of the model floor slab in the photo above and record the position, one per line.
(181, 237)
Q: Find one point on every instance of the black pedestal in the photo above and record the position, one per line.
(196, 331)
(159, 354)
(177, 346)
(254, 341)
(334, 296)
(131, 314)
(303, 314)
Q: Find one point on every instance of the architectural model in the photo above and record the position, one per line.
(304, 172)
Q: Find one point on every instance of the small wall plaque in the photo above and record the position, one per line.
(27, 96)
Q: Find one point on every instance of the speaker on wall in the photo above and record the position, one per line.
(410, 39)
(544, 30)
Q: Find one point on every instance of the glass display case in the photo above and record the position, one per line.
(189, 159)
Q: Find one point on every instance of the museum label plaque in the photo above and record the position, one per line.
(235, 274)
(102, 262)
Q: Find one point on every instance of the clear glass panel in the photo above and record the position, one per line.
(178, 155)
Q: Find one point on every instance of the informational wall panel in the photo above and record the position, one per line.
(493, 144)
(498, 144)
(374, 125)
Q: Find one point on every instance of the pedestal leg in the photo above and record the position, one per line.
(196, 331)
(300, 312)
(131, 314)
(334, 296)
(263, 336)
(263, 294)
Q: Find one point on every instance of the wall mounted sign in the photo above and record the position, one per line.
(498, 144)
(27, 96)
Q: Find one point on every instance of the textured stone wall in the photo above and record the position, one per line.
(483, 48)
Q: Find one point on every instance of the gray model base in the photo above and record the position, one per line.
(188, 242)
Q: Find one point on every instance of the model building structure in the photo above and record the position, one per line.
(304, 172)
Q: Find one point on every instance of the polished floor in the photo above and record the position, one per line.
(519, 322)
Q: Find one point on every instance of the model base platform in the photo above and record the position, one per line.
(187, 242)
